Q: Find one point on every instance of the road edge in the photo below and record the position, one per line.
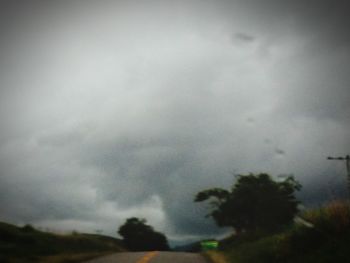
(214, 257)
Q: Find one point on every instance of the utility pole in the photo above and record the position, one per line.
(347, 163)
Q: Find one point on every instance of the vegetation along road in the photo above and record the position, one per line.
(152, 257)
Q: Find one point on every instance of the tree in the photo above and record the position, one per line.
(138, 236)
(254, 202)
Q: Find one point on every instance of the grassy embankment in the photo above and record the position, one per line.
(327, 240)
(26, 244)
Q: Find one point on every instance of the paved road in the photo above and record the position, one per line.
(151, 257)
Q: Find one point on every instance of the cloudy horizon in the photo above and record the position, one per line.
(114, 109)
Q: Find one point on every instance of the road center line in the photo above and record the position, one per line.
(146, 258)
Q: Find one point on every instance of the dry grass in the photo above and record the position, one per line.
(29, 245)
(59, 258)
(335, 214)
(70, 258)
(325, 241)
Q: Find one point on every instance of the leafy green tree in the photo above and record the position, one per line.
(138, 236)
(254, 202)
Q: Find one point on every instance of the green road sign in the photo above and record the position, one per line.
(209, 245)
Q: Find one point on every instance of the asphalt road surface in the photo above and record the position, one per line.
(151, 257)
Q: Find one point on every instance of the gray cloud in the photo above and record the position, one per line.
(243, 37)
(119, 109)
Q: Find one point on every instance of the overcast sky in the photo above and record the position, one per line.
(113, 109)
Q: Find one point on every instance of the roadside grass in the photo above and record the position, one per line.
(325, 241)
(215, 256)
(71, 258)
(27, 244)
(334, 217)
(59, 258)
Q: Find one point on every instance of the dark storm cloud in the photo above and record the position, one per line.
(243, 37)
(118, 109)
(316, 86)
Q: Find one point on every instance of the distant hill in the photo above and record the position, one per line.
(27, 244)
